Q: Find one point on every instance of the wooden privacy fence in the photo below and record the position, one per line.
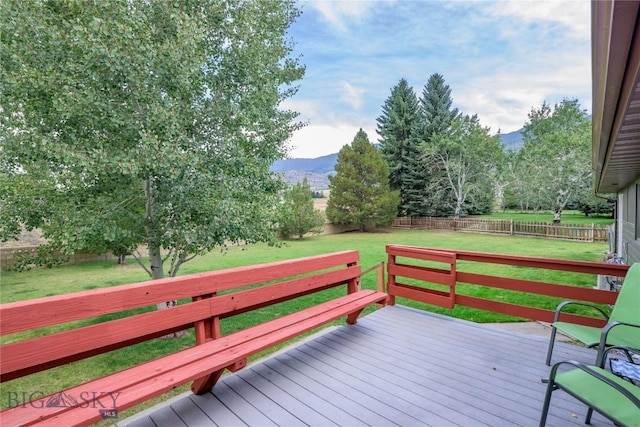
(582, 232)
(431, 276)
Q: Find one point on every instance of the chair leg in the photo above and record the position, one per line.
(587, 420)
(552, 340)
(547, 401)
(600, 357)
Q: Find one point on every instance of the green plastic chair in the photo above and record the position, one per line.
(600, 390)
(623, 325)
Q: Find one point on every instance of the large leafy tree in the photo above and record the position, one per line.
(399, 118)
(555, 157)
(360, 192)
(144, 123)
(297, 215)
(424, 178)
(468, 158)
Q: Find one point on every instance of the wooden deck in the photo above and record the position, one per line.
(396, 366)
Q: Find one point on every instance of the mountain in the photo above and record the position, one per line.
(512, 141)
(324, 164)
(317, 170)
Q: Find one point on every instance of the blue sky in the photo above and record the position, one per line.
(500, 59)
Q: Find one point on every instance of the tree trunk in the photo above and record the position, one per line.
(561, 202)
(155, 259)
(157, 272)
(155, 255)
(456, 212)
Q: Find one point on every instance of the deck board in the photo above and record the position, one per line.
(191, 414)
(396, 366)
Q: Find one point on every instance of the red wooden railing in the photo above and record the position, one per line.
(440, 274)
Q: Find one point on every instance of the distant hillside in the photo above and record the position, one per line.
(324, 164)
(513, 140)
(317, 170)
(317, 181)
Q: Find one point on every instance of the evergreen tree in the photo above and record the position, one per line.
(360, 192)
(399, 117)
(297, 215)
(423, 177)
(435, 108)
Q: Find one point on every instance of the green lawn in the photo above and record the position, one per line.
(568, 217)
(65, 279)
(60, 280)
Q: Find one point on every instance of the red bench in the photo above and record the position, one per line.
(214, 296)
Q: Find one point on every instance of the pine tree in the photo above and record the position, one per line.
(297, 215)
(423, 177)
(435, 107)
(360, 193)
(399, 117)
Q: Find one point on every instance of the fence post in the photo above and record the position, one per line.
(593, 232)
(511, 226)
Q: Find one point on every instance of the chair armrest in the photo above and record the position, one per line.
(598, 375)
(603, 341)
(626, 350)
(585, 304)
(612, 325)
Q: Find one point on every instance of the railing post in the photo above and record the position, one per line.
(380, 280)
(353, 285)
(380, 277)
(391, 279)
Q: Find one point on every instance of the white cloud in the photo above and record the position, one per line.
(306, 107)
(503, 99)
(337, 12)
(573, 14)
(318, 140)
(351, 95)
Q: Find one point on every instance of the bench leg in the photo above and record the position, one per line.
(352, 318)
(205, 384)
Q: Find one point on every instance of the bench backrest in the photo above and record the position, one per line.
(214, 295)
